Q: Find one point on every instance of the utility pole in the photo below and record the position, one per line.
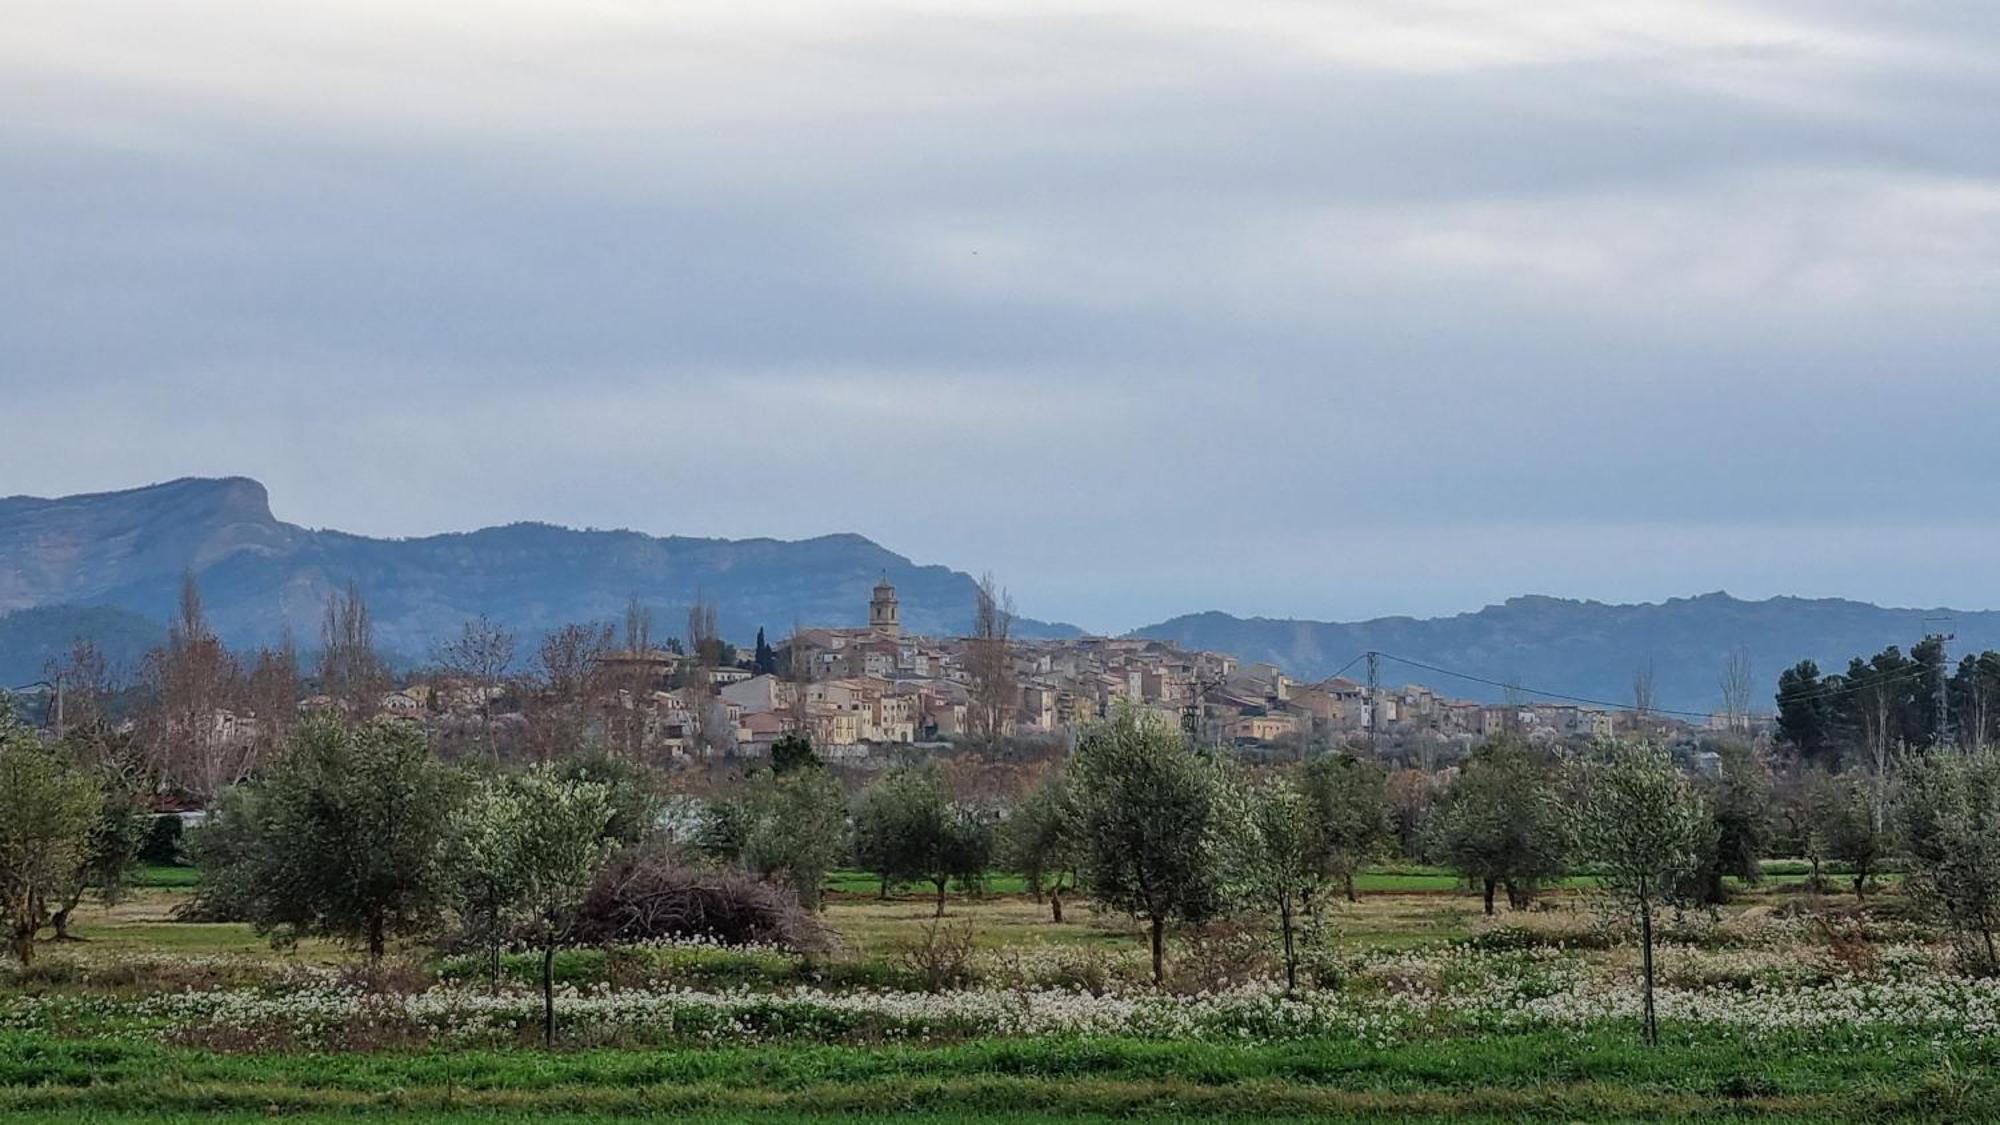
(1368, 700)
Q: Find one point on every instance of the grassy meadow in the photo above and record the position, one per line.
(1785, 1005)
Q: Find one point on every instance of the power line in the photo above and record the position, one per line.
(1827, 693)
(1563, 696)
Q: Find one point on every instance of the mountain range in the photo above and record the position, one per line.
(109, 565)
(1591, 649)
(259, 575)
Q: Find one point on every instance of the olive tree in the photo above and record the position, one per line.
(793, 828)
(1148, 821)
(346, 837)
(559, 840)
(909, 828)
(1040, 841)
(1349, 816)
(1273, 861)
(1949, 816)
(1645, 829)
(48, 808)
(1500, 824)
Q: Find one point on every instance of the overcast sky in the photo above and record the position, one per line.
(1313, 309)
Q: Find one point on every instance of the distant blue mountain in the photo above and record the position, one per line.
(1590, 648)
(258, 575)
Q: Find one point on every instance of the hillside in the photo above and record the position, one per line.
(258, 574)
(1589, 648)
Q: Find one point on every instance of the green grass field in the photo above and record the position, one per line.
(97, 1031)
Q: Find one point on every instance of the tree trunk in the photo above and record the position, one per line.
(1347, 878)
(1861, 887)
(492, 945)
(1646, 939)
(24, 944)
(1291, 954)
(939, 912)
(549, 995)
(883, 894)
(376, 940)
(1055, 903)
(1490, 884)
(1159, 951)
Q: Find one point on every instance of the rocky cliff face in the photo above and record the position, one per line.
(92, 548)
(259, 575)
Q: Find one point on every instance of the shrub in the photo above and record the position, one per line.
(162, 847)
(644, 896)
(943, 959)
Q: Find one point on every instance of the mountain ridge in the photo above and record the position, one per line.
(260, 575)
(113, 561)
(1590, 648)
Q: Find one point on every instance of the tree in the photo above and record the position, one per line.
(116, 837)
(1851, 829)
(193, 678)
(705, 641)
(566, 675)
(888, 828)
(1148, 823)
(1411, 792)
(351, 673)
(1499, 824)
(1350, 814)
(345, 838)
(794, 828)
(989, 664)
(486, 881)
(1040, 841)
(1642, 692)
(1949, 814)
(1975, 699)
(764, 660)
(909, 828)
(1275, 853)
(1645, 828)
(1740, 802)
(559, 843)
(1805, 712)
(479, 655)
(793, 751)
(50, 808)
(272, 693)
(1737, 684)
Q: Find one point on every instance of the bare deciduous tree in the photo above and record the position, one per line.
(1737, 685)
(82, 679)
(273, 695)
(566, 666)
(989, 663)
(194, 679)
(479, 655)
(704, 633)
(1642, 692)
(350, 670)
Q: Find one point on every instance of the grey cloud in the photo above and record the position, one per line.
(1335, 309)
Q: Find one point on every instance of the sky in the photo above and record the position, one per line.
(1320, 309)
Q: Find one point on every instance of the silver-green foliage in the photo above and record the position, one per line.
(1646, 831)
(48, 808)
(1149, 824)
(1948, 813)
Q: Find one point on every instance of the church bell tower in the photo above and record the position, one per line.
(884, 615)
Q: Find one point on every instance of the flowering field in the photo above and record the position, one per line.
(1418, 1008)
